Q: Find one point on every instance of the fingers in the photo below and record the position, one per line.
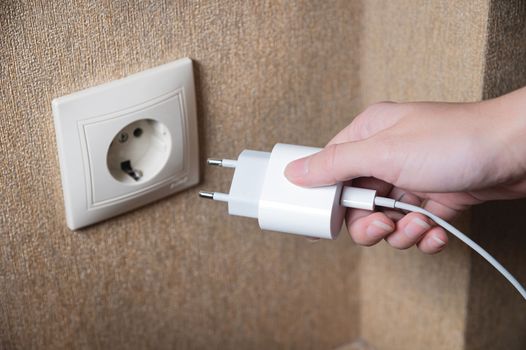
(399, 230)
(382, 189)
(348, 155)
(370, 229)
(335, 163)
(402, 196)
(409, 230)
(434, 241)
(413, 228)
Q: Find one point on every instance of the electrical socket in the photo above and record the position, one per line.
(127, 143)
(139, 151)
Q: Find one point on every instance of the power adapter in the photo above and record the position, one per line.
(260, 190)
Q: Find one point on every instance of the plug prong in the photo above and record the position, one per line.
(215, 162)
(206, 194)
(226, 163)
(217, 196)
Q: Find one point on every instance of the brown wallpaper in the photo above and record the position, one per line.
(179, 273)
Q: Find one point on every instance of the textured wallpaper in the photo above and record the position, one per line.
(182, 274)
(179, 273)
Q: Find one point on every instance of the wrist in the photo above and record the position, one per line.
(506, 119)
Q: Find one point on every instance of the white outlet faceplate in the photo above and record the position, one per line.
(127, 143)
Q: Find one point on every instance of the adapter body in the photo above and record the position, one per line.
(260, 190)
(286, 207)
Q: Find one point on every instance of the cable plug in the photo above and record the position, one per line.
(260, 190)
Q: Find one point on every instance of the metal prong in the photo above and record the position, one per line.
(216, 162)
(217, 196)
(206, 194)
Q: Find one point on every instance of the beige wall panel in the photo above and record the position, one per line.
(423, 50)
(179, 273)
(427, 50)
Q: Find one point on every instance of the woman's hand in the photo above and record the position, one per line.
(442, 156)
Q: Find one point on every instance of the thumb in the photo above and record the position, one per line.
(335, 163)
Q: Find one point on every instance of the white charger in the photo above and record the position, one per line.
(260, 190)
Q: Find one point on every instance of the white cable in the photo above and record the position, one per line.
(391, 203)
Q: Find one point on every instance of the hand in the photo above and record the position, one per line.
(442, 156)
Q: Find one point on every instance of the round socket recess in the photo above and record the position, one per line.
(139, 151)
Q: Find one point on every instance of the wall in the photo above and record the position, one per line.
(182, 274)
(179, 273)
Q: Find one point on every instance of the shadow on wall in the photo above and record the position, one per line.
(200, 100)
(493, 303)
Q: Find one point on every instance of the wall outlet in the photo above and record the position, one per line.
(127, 143)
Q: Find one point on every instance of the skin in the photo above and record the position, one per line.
(445, 157)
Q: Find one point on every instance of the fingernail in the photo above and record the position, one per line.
(377, 229)
(437, 242)
(416, 227)
(297, 169)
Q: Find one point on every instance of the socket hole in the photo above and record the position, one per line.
(135, 174)
(140, 158)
